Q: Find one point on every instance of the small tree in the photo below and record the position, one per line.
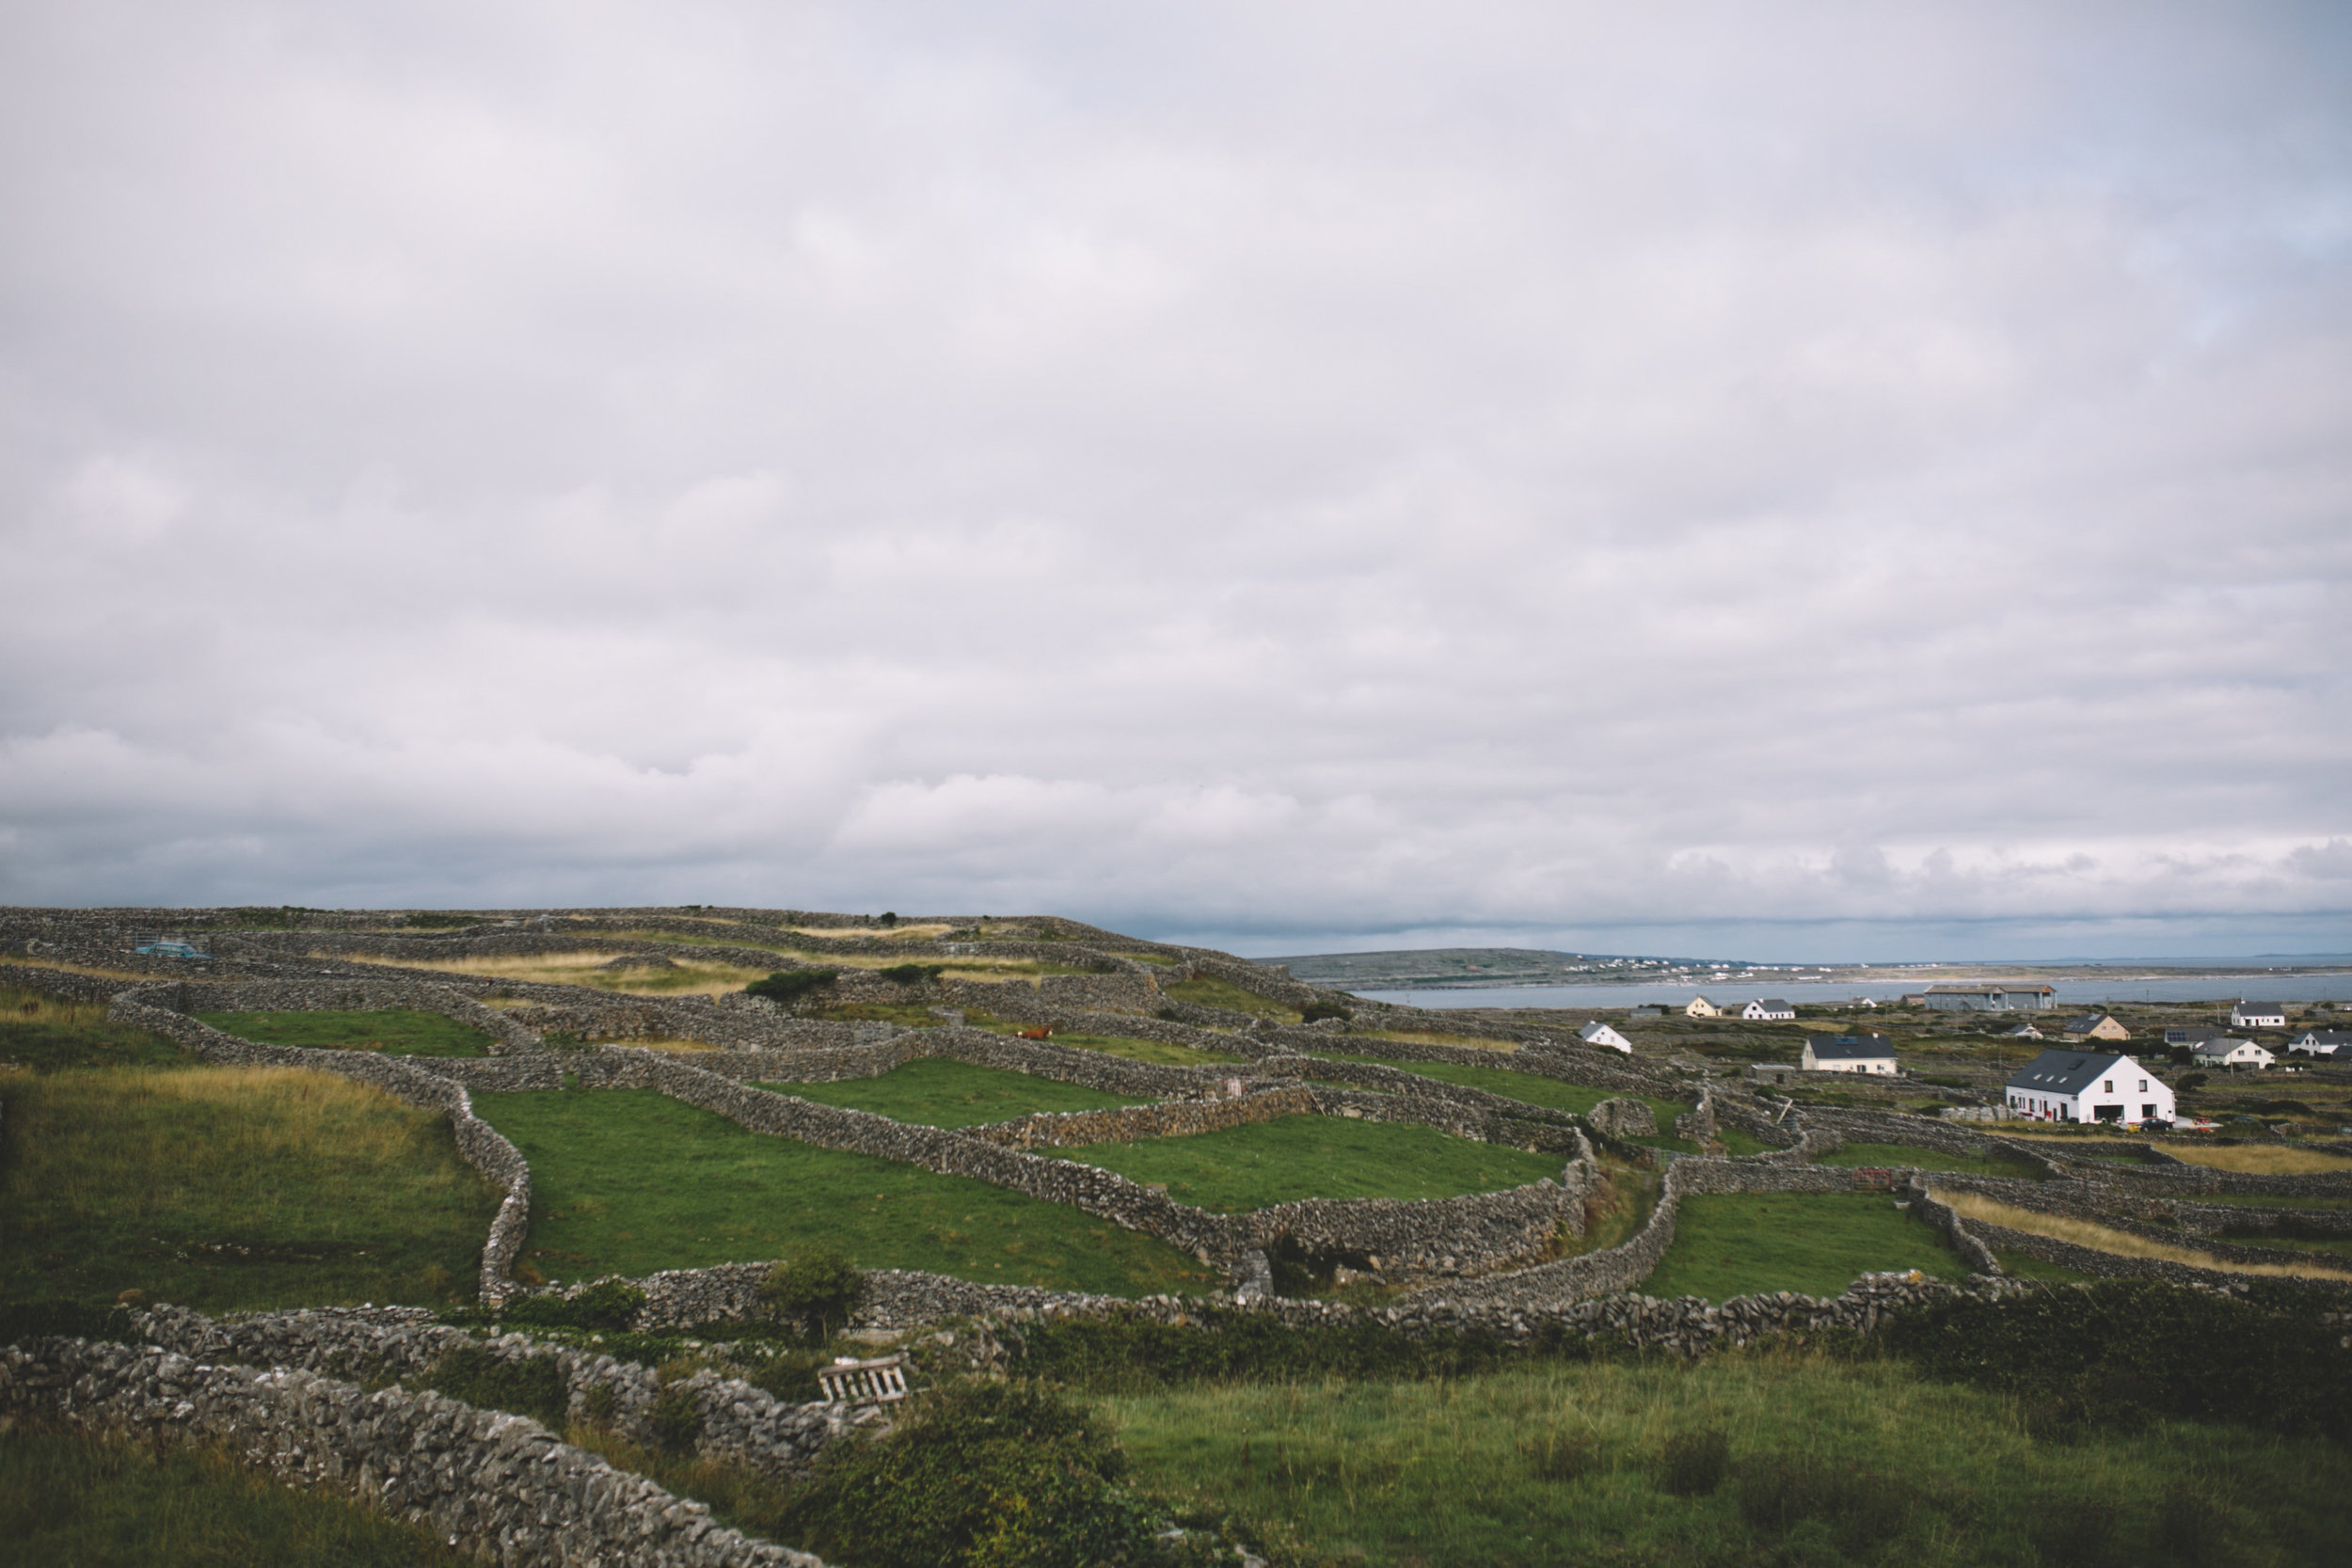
(1316, 1012)
(790, 985)
(819, 1287)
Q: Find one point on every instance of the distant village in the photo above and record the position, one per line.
(2079, 1080)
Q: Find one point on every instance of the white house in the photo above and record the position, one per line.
(2024, 1032)
(2258, 1015)
(2079, 1086)
(1769, 1008)
(2323, 1042)
(1597, 1032)
(1701, 1008)
(1870, 1054)
(2231, 1053)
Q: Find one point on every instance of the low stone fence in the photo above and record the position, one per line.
(1888, 1127)
(479, 1144)
(496, 1486)
(1179, 1118)
(739, 1421)
(2091, 1205)
(65, 983)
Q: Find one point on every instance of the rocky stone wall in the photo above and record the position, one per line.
(293, 996)
(497, 1487)
(739, 1422)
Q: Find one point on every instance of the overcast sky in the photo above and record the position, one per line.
(1822, 481)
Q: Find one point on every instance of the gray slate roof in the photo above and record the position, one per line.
(2067, 1072)
(1850, 1048)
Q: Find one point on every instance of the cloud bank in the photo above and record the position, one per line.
(1274, 474)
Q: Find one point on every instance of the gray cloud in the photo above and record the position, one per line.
(1334, 471)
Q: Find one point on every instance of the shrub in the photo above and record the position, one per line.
(2191, 1083)
(1695, 1462)
(1001, 1474)
(609, 1304)
(819, 1287)
(911, 975)
(890, 917)
(1557, 1457)
(522, 1385)
(790, 985)
(676, 1417)
(67, 1320)
(2120, 1351)
(1316, 1012)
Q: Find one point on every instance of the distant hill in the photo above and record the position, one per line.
(1433, 968)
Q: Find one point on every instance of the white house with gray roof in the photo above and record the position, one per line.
(1597, 1032)
(1772, 1009)
(1869, 1053)
(2258, 1015)
(2088, 1086)
(2228, 1052)
(2323, 1042)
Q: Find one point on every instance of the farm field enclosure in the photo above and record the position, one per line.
(1292, 1158)
(1811, 1243)
(629, 1181)
(933, 1092)
(394, 1031)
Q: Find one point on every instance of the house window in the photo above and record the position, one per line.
(2110, 1086)
(2143, 1085)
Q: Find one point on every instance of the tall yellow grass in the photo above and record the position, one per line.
(38, 961)
(163, 1131)
(2260, 1159)
(1431, 1036)
(2123, 1243)
(23, 1005)
(584, 969)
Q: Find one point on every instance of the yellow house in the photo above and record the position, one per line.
(1701, 1008)
(2095, 1026)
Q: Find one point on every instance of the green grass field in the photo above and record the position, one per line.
(1829, 1463)
(73, 1501)
(934, 1092)
(1156, 1053)
(629, 1181)
(45, 1033)
(225, 1188)
(1858, 1155)
(1576, 1098)
(1300, 1157)
(395, 1030)
(1207, 992)
(1813, 1242)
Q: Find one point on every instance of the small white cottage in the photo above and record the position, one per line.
(2332, 1043)
(2076, 1086)
(1868, 1054)
(2231, 1053)
(2258, 1015)
(1770, 1009)
(1597, 1032)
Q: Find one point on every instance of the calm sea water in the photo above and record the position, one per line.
(2205, 988)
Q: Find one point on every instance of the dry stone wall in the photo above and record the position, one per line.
(495, 1485)
(739, 1422)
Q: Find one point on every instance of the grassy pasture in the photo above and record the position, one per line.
(227, 1188)
(1858, 1155)
(1435, 1036)
(1208, 992)
(2260, 1159)
(581, 969)
(2124, 1244)
(629, 1181)
(67, 1500)
(45, 1033)
(394, 1031)
(1737, 1244)
(937, 1093)
(1828, 1463)
(1300, 1157)
(1156, 1052)
(1530, 1087)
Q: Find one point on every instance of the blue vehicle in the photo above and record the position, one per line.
(172, 947)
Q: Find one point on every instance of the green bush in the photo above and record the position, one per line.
(676, 1417)
(609, 1304)
(1695, 1462)
(1316, 1012)
(2119, 1352)
(1858, 1508)
(818, 1288)
(2191, 1083)
(911, 975)
(1003, 1474)
(530, 1385)
(21, 1321)
(790, 985)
